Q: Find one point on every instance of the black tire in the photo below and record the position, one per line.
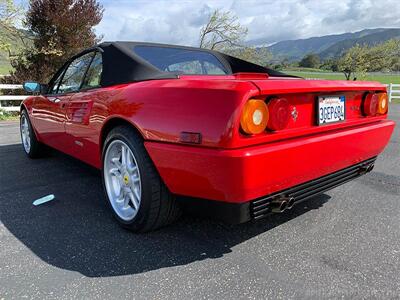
(36, 148)
(158, 207)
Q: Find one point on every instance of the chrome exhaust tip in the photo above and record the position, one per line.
(278, 205)
(291, 202)
(366, 168)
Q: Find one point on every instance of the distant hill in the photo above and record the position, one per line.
(329, 45)
(371, 39)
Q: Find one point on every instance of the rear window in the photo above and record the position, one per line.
(181, 61)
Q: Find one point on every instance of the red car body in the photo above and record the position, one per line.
(227, 165)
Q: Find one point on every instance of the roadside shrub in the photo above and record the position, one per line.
(8, 115)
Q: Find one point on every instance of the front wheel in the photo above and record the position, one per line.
(135, 192)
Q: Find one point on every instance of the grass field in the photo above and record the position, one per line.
(380, 77)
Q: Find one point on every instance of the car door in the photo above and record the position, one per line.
(83, 123)
(48, 113)
(50, 110)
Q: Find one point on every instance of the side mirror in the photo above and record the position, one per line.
(32, 87)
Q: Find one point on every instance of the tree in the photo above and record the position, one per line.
(330, 64)
(285, 62)
(9, 34)
(222, 29)
(60, 29)
(310, 61)
(223, 32)
(384, 56)
(360, 59)
(355, 60)
(260, 56)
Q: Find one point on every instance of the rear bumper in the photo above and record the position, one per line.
(260, 208)
(242, 175)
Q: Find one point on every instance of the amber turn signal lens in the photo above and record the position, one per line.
(383, 103)
(254, 117)
(279, 113)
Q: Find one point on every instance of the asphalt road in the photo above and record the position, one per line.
(345, 243)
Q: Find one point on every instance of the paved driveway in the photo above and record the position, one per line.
(343, 243)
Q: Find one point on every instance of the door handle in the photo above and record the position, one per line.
(58, 100)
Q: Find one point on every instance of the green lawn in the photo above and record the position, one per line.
(302, 69)
(311, 73)
(383, 78)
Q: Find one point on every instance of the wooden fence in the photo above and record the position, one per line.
(5, 100)
(393, 91)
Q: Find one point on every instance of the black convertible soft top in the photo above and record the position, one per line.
(121, 64)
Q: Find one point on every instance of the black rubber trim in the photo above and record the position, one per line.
(227, 212)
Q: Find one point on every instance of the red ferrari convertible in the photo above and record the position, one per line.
(174, 127)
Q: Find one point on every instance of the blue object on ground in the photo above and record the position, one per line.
(43, 200)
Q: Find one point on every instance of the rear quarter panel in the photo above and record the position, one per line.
(162, 109)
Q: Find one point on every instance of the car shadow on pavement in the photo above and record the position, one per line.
(77, 232)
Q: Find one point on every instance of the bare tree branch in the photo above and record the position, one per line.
(222, 28)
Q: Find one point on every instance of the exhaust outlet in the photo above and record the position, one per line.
(278, 205)
(366, 168)
(290, 202)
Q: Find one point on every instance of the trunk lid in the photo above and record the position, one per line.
(280, 85)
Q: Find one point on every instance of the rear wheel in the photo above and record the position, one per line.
(135, 192)
(32, 147)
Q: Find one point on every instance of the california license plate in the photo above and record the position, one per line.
(331, 109)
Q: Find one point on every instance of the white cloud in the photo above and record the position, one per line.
(179, 21)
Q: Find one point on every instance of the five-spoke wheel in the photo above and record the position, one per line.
(122, 180)
(138, 197)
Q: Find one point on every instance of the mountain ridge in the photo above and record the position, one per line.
(328, 46)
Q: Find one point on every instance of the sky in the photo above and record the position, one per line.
(180, 21)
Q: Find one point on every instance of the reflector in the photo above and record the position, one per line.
(190, 137)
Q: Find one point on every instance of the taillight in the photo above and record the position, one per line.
(383, 103)
(254, 117)
(279, 113)
(375, 103)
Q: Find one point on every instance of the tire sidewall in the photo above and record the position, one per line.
(31, 141)
(144, 208)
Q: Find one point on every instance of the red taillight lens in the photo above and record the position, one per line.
(375, 103)
(370, 107)
(279, 113)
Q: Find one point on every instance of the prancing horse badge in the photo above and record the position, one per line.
(294, 113)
